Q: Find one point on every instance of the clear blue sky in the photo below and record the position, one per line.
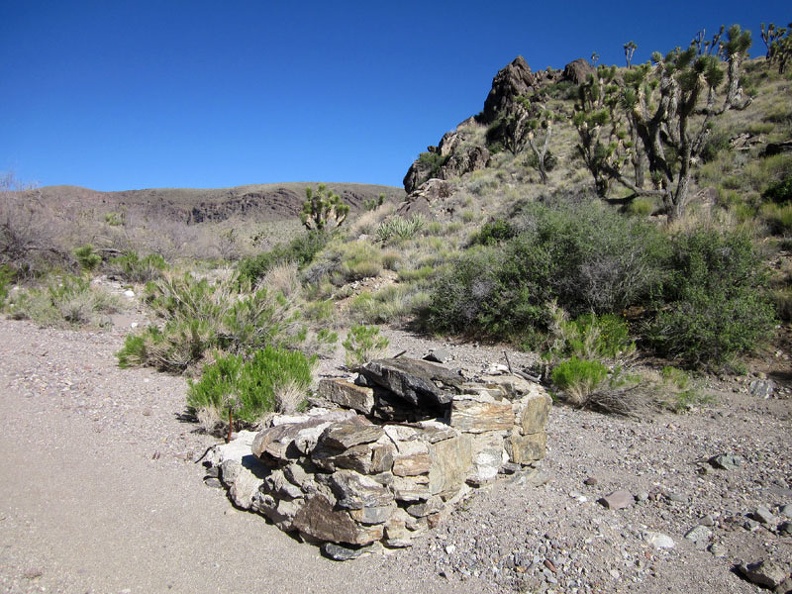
(126, 94)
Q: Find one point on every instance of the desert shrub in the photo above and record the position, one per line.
(6, 278)
(680, 391)
(494, 232)
(640, 207)
(432, 162)
(593, 337)
(363, 343)
(585, 257)
(779, 192)
(713, 305)
(717, 141)
(247, 388)
(782, 299)
(130, 267)
(356, 260)
(68, 301)
(778, 218)
(87, 257)
(578, 378)
(199, 316)
(301, 250)
(394, 303)
(400, 228)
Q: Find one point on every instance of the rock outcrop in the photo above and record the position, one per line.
(408, 440)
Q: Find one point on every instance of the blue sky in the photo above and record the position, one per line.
(127, 94)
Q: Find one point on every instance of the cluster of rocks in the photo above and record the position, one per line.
(407, 440)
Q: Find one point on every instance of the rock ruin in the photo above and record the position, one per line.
(406, 441)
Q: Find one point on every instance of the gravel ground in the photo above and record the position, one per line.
(99, 493)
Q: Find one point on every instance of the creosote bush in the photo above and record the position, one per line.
(713, 306)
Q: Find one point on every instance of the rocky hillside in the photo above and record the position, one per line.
(262, 202)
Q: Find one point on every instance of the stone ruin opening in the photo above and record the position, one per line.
(389, 455)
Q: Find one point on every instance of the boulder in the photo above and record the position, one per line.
(512, 81)
(533, 410)
(450, 463)
(578, 71)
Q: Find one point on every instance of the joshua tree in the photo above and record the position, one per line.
(323, 209)
(778, 41)
(629, 51)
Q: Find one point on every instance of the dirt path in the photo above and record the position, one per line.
(98, 492)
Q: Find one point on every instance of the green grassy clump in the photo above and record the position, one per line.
(246, 389)
(578, 379)
(64, 302)
(199, 317)
(133, 268)
(362, 344)
(301, 250)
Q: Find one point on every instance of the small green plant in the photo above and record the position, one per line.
(578, 378)
(115, 219)
(680, 392)
(400, 228)
(6, 278)
(132, 268)
(87, 258)
(362, 344)
(590, 336)
(301, 250)
(779, 192)
(69, 301)
(374, 203)
(246, 389)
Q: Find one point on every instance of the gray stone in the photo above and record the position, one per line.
(785, 528)
(410, 489)
(277, 485)
(369, 458)
(241, 482)
(477, 413)
(276, 446)
(659, 540)
(533, 410)
(319, 519)
(764, 573)
(764, 515)
(338, 553)
(412, 455)
(418, 382)
(279, 511)
(786, 510)
(488, 457)
(352, 432)
(432, 506)
(526, 449)
(356, 491)
(726, 461)
(438, 356)
(450, 463)
(347, 394)
(762, 388)
(718, 550)
(373, 515)
(617, 500)
(699, 536)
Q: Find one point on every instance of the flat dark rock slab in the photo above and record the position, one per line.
(418, 382)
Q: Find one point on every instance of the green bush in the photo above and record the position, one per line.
(713, 305)
(130, 267)
(362, 344)
(585, 257)
(69, 301)
(778, 218)
(301, 250)
(87, 257)
(578, 378)
(494, 232)
(6, 278)
(247, 388)
(593, 337)
(779, 192)
(199, 316)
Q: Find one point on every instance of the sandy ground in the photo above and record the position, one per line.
(99, 494)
